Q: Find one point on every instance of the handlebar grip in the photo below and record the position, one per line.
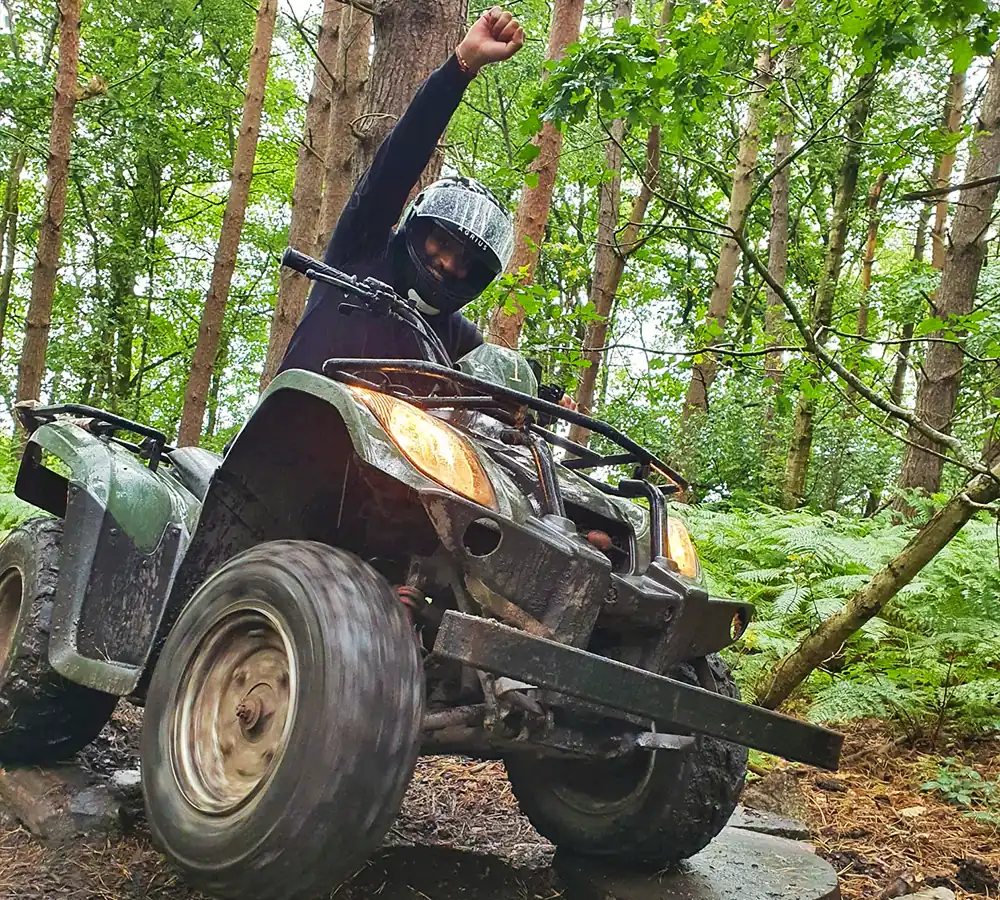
(292, 259)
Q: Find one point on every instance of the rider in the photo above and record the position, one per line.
(452, 241)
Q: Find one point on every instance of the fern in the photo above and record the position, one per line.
(932, 656)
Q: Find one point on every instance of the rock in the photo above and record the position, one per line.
(127, 780)
(780, 792)
(768, 823)
(737, 865)
(59, 804)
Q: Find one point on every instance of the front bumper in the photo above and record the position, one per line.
(487, 645)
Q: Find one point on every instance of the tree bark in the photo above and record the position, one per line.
(829, 637)
(351, 74)
(400, 64)
(703, 372)
(822, 314)
(43, 281)
(533, 208)
(210, 328)
(308, 191)
(952, 123)
(941, 374)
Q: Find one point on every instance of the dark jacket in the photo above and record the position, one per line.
(362, 242)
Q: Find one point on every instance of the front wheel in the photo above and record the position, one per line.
(282, 723)
(651, 808)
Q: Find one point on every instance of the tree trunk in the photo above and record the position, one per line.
(869, 258)
(830, 636)
(822, 314)
(609, 260)
(212, 316)
(308, 192)
(43, 281)
(218, 373)
(351, 73)
(952, 123)
(703, 373)
(777, 257)
(941, 374)
(533, 209)
(777, 252)
(903, 356)
(401, 63)
(8, 234)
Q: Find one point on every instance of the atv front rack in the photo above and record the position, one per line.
(508, 406)
(492, 398)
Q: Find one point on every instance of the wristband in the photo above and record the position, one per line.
(462, 64)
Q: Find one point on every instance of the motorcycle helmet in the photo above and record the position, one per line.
(452, 241)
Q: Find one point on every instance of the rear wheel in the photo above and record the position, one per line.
(43, 717)
(282, 723)
(652, 808)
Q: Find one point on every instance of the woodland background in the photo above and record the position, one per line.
(757, 237)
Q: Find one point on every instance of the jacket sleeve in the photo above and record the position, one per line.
(378, 199)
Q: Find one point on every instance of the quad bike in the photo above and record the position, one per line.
(388, 561)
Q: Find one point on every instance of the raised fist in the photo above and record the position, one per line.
(495, 36)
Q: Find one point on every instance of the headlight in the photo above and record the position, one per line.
(431, 445)
(680, 547)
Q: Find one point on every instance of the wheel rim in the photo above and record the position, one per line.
(604, 787)
(234, 708)
(11, 592)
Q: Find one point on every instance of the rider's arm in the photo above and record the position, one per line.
(378, 199)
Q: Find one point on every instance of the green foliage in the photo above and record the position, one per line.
(966, 788)
(932, 658)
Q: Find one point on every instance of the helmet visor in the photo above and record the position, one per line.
(476, 218)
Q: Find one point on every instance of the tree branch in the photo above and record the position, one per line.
(950, 189)
(820, 352)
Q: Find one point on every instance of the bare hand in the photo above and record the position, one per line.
(495, 36)
(567, 402)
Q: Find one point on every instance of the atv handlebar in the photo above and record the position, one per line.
(378, 298)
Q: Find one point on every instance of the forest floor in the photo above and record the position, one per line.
(460, 835)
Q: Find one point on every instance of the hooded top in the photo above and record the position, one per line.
(362, 242)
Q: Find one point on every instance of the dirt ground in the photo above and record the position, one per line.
(460, 835)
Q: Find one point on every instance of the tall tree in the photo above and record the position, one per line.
(952, 123)
(350, 79)
(536, 197)
(400, 64)
(613, 250)
(307, 194)
(43, 283)
(868, 260)
(8, 233)
(210, 328)
(822, 313)
(941, 372)
(703, 372)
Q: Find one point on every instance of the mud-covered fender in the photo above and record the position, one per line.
(125, 531)
(313, 463)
